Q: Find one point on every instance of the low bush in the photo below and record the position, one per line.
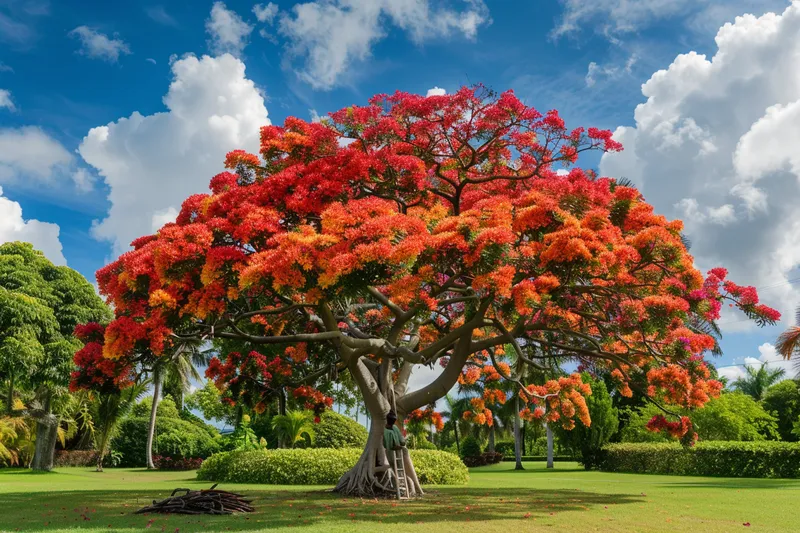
(180, 463)
(761, 459)
(492, 458)
(338, 431)
(174, 437)
(75, 458)
(470, 447)
(319, 466)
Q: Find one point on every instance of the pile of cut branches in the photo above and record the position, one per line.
(209, 501)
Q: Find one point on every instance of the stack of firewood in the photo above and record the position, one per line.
(209, 501)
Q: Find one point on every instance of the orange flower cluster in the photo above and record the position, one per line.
(426, 416)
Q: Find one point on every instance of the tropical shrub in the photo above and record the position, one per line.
(339, 431)
(174, 437)
(729, 459)
(166, 408)
(319, 466)
(181, 463)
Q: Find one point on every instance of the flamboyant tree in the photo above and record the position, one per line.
(418, 229)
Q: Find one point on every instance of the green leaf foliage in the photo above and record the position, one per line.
(783, 402)
(40, 305)
(339, 431)
(763, 459)
(175, 438)
(319, 466)
(470, 447)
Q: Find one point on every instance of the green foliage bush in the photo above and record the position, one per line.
(339, 431)
(782, 401)
(470, 447)
(506, 447)
(764, 459)
(319, 466)
(174, 437)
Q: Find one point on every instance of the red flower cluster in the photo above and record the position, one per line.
(681, 429)
(95, 372)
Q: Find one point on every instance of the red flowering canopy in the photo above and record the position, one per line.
(94, 371)
(420, 228)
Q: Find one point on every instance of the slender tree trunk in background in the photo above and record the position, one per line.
(523, 438)
(455, 430)
(151, 429)
(10, 398)
(517, 436)
(282, 412)
(490, 445)
(46, 436)
(549, 446)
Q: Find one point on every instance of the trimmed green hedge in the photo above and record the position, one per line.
(761, 459)
(319, 466)
(541, 458)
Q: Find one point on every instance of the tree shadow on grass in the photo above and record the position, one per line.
(113, 510)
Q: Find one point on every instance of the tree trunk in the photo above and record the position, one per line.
(364, 479)
(151, 429)
(490, 445)
(455, 430)
(517, 435)
(549, 446)
(46, 436)
(524, 425)
(10, 398)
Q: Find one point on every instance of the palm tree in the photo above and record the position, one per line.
(294, 427)
(454, 413)
(181, 366)
(107, 411)
(756, 382)
(789, 343)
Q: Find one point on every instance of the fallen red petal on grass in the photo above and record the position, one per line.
(746, 524)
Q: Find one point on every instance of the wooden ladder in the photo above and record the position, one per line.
(400, 475)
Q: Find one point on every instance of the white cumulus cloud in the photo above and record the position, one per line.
(152, 163)
(30, 152)
(330, 36)
(436, 91)
(265, 13)
(768, 356)
(5, 100)
(43, 235)
(227, 31)
(716, 144)
(98, 45)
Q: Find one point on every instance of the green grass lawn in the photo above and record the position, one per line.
(496, 499)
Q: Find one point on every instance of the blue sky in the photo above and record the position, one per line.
(110, 114)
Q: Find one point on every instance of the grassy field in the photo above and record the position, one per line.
(496, 499)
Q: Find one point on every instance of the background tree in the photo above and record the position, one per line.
(782, 401)
(755, 382)
(454, 410)
(733, 416)
(40, 305)
(588, 441)
(418, 229)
